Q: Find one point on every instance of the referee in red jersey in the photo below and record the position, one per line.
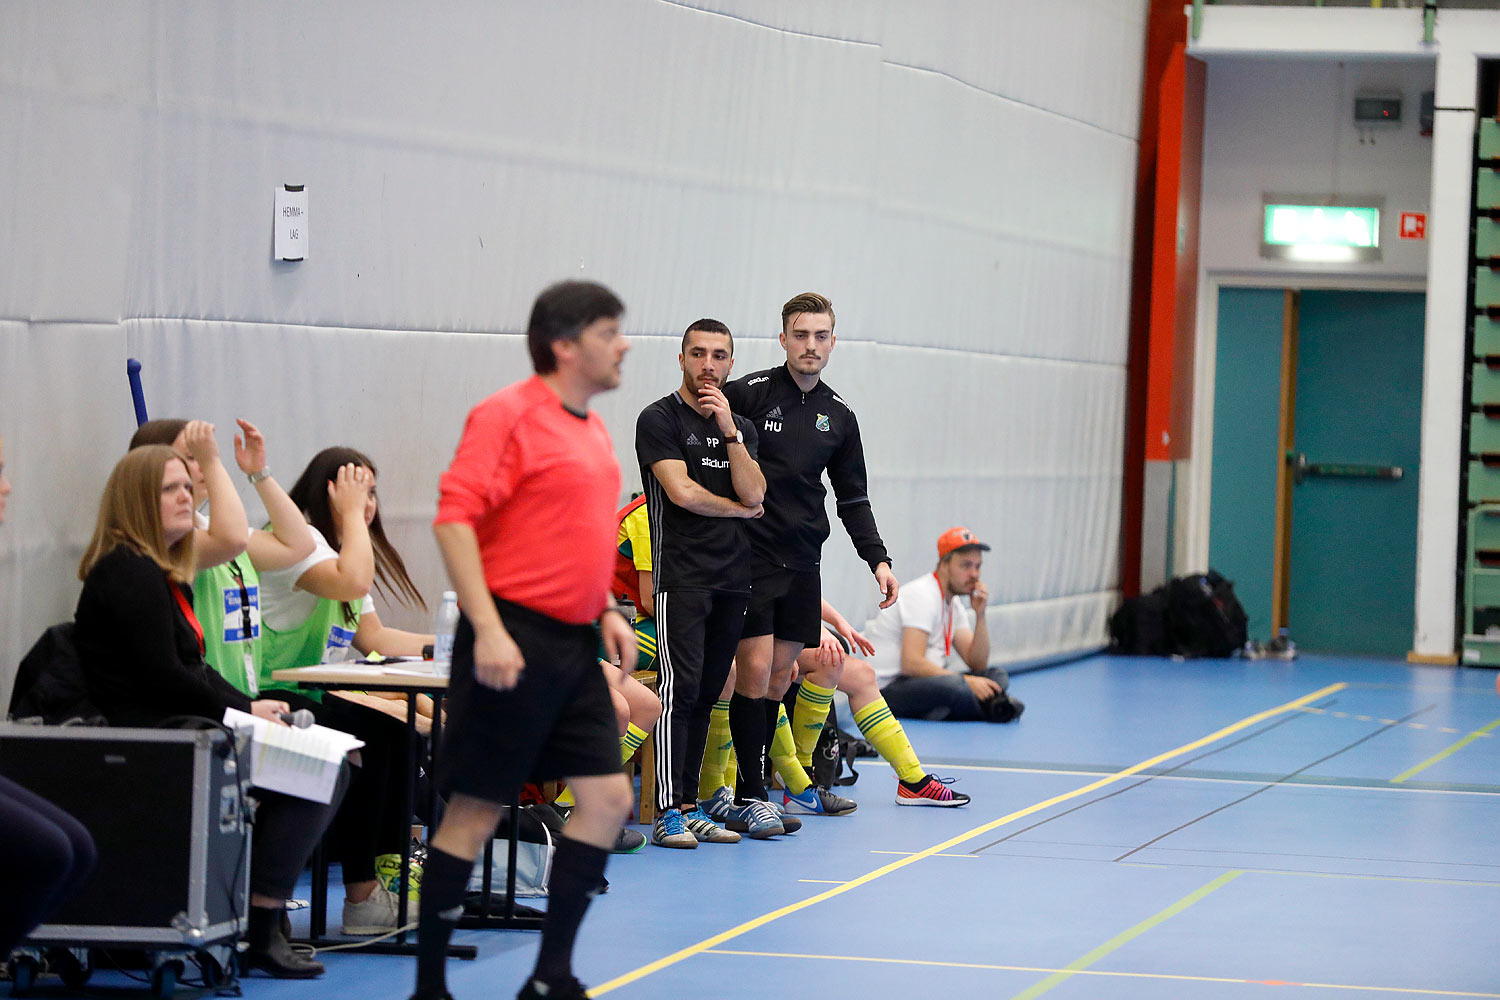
(527, 700)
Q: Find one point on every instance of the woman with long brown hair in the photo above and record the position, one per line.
(140, 647)
(316, 611)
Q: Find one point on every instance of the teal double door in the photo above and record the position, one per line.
(1345, 571)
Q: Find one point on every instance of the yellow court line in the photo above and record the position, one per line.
(1443, 754)
(966, 857)
(1123, 938)
(978, 831)
(1106, 973)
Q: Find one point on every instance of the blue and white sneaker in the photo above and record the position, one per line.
(755, 817)
(789, 824)
(815, 801)
(669, 830)
(706, 830)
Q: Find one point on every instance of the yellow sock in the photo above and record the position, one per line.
(631, 741)
(731, 769)
(716, 751)
(809, 715)
(885, 734)
(784, 756)
(629, 744)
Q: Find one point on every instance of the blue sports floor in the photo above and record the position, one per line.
(1324, 828)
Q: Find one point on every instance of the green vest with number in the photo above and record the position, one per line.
(226, 604)
(323, 634)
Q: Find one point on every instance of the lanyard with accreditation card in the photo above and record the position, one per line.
(947, 619)
(247, 629)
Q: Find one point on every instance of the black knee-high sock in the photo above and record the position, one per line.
(577, 874)
(773, 716)
(445, 879)
(747, 724)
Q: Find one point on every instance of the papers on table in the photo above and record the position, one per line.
(393, 666)
(300, 762)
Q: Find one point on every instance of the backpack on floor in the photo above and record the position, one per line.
(835, 751)
(1204, 618)
(1139, 627)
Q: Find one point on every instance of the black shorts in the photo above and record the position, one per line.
(557, 722)
(786, 603)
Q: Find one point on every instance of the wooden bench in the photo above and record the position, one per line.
(645, 757)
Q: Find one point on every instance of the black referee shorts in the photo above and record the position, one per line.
(557, 722)
(786, 603)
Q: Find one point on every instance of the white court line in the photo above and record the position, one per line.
(939, 765)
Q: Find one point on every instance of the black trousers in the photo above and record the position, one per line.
(696, 635)
(48, 855)
(287, 830)
(373, 819)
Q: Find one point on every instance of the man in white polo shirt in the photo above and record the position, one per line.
(930, 661)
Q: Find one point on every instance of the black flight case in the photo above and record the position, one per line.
(166, 808)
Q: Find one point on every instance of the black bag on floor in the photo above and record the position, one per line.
(834, 752)
(1204, 618)
(1003, 707)
(1139, 627)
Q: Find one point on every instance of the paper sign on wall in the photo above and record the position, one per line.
(291, 222)
(1413, 225)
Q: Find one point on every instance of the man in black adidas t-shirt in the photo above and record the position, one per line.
(701, 481)
(805, 429)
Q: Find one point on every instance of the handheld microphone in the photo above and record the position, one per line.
(300, 719)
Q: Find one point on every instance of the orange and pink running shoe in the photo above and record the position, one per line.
(929, 791)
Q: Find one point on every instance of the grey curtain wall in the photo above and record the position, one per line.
(956, 176)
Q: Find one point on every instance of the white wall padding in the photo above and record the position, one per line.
(957, 177)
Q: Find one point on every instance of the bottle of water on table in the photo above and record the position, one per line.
(444, 623)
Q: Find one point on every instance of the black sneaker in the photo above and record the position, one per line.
(628, 841)
(535, 989)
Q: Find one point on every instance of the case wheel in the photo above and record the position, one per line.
(23, 972)
(71, 969)
(214, 974)
(164, 979)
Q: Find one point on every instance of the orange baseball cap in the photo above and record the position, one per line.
(959, 538)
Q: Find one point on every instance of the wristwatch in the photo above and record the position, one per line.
(734, 438)
(256, 477)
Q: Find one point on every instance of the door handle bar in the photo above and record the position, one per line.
(1302, 469)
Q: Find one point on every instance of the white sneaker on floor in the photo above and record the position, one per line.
(376, 914)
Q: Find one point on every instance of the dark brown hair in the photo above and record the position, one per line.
(807, 302)
(708, 326)
(158, 432)
(310, 494)
(561, 312)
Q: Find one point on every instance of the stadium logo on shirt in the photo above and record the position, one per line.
(822, 422)
(758, 381)
(693, 441)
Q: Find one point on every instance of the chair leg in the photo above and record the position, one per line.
(647, 759)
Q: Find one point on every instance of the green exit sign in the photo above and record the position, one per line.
(1321, 232)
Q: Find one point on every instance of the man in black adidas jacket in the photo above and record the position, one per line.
(804, 429)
